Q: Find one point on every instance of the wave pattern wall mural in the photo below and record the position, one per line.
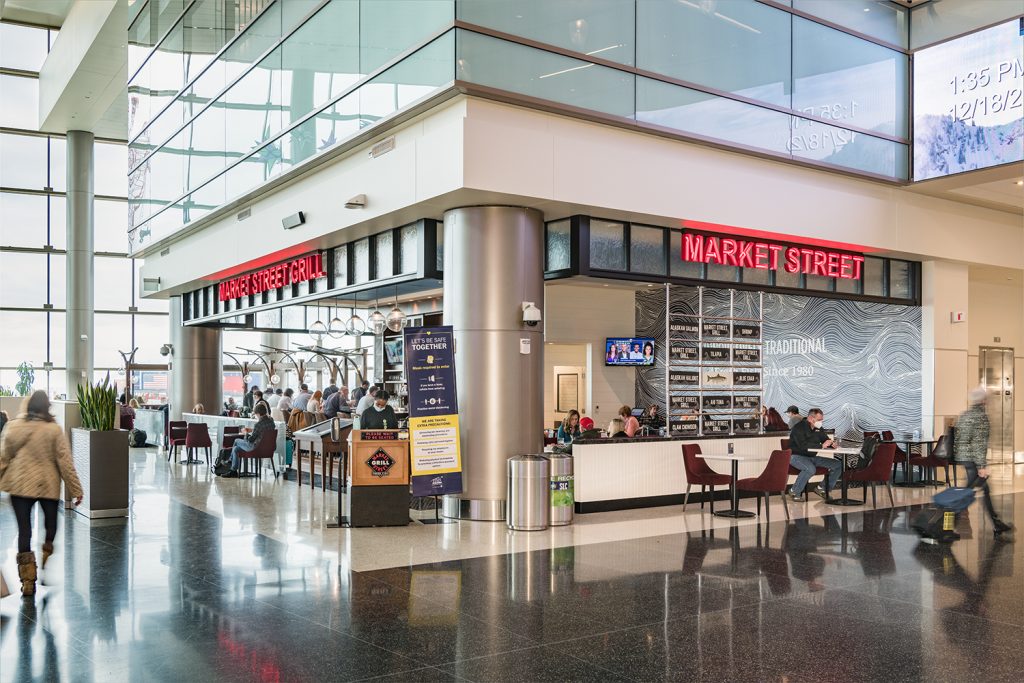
(860, 362)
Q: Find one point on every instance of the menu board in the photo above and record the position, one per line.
(716, 354)
(717, 379)
(683, 328)
(685, 402)
(685, 377)
(717, 402)
(746, 379)
(746, 426)
(683, 426)
(746, 331)
(747, 354)
(746, 403)
(716, 425)
(680, 352)
(716, 330)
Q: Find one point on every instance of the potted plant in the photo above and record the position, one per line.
(100, 452)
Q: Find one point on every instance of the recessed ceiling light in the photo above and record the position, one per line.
(1020, 182)
(604, 285)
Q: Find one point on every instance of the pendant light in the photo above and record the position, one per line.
(377, 320)
(396, 318)
(356, 326)
(336, 328)
(318, 329)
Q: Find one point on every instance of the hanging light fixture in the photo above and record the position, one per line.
(396, 318)
(336, 328)
(318, 329)
(377, 320)
(356, 326)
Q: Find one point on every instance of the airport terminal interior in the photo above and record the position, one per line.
(511, 340)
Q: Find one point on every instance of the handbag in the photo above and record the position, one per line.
(863, 459)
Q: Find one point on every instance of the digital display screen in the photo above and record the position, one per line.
(629, 351)
(394, 350)
(969, 102)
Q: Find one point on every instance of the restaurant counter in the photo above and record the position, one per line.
(216, 423)
(620, 474)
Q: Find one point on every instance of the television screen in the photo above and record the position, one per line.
(394, 350)
(629, 351)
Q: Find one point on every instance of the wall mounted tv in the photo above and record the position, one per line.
(629, 351)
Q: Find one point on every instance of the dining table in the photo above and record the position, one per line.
(735, 458)
(908, 471)
(842, 451)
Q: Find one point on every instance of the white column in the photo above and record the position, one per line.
(945, 373)
(79, 263)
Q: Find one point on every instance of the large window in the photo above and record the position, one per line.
(33, 237)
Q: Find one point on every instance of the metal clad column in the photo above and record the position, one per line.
(79, 269)
(493, 262)
(197, 366)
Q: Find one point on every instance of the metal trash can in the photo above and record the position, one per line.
(528, 499)
(562, 498)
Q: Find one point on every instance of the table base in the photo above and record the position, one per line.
(735, 514)
(910, 484)
(843, 501)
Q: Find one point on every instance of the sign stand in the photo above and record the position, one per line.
(340, 521)
(437, 514)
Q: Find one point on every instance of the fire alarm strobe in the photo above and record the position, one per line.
(380, 463)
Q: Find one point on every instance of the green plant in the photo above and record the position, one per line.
(98, 404)
(26, 378)
(4, 391)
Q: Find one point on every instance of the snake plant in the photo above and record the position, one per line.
(98, 404)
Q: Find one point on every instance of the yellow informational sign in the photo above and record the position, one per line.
(435, 445)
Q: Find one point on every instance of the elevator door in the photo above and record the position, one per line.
(996, 368)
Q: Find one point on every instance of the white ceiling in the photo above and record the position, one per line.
(999, 188)
(42, 12)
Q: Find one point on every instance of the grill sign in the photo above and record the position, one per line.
(380, 463)
(683, 352)
(745, 355)
(716, 329)
(283, 274)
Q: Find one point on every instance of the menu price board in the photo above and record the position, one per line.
(746, 426)
(686, 377)
(717, 402)
(746, 331)
(683, 426)
(685, 402)
(680, 352)
(716, 330)
(716, 426)
(746, 379)
(683, 328)
(716, 354)
(746, 402)
(747, 355)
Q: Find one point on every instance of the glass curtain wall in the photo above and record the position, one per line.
(33, 237)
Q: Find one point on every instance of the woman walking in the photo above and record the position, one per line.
(34, 458)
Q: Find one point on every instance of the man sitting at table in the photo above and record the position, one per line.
(808, 434)
(248, 443)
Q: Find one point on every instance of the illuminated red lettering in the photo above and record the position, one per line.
(833, 264)
(728, 252)
(792, 260)
(746, 254)
(693, 248)
(303, 270)
(819, 262)
(858, 261)
(776, 249)
(761, 256)
(711, 251)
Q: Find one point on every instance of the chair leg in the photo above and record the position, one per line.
(767, 512)
(785, 505)
(758, 504)
(686, 498)
(874, 495)
(712, 504)
(891, 501)
(703, 490)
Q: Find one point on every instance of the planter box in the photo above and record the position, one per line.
(101, 459)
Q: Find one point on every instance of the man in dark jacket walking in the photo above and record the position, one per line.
(970, 449)
(807, 434)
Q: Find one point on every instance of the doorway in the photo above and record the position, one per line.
(566, 382)
(995, 365)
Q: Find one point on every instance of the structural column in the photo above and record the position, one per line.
(277, 340)
(197, 365)
(945, 376)
(79, 263)
(493, 262)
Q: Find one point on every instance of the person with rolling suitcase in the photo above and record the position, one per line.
(970, 448)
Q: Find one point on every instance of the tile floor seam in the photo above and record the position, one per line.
(933, 610)
(534, 647)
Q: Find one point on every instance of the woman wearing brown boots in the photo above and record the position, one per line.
(34, 458)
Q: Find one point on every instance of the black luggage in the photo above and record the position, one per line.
(939, 523)
(137, 438)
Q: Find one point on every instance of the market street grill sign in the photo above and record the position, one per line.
(292, 272)
(730, 251)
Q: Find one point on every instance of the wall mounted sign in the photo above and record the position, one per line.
(368, 435)
(433, 411)
(679, 352)
(716, 426)
(716, 354)
(716, 402)
(686, 402)
(683, 426)
(716, 329)
(746, 379)
(746, 331)
(717, 378)
(746, 426)
(683, 328)
(744, 354)
(751, 403)
(730, 251)
(292, 272)
(686, 377)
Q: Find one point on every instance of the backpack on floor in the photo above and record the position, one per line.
(136, 438)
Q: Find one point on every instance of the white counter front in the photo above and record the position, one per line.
(622, 475)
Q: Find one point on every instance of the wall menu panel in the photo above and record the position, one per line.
(716, 426)
(747, 403)
(747, 354)
(716, 354)
(684, 426)
(746, 379)
(684, 377)
(746, 331)
(681, 327)
(716, 402)
(716, 330)
(680, 352)
(750, 425)
(685, 402)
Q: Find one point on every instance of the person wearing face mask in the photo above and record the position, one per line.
(808, 434)
(380, 415)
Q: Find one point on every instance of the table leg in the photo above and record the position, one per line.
(908, 477)
(844, 487)
(735, 511)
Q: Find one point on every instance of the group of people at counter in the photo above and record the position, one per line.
(370, 403)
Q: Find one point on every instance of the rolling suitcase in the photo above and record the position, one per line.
(939, 523)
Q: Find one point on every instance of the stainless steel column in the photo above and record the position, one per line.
(277, 340)
(79, 340)
(197, 365)
(493, 262)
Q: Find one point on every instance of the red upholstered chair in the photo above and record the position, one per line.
(228, 436)
(794, 471)
(176, 432)
(699, 472)
(887, 435)
(264, 449)
(932, 461)
(772, 480)
(197, 435)
(878, 472)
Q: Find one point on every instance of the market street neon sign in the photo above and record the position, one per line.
(728, 251)
(281, 275)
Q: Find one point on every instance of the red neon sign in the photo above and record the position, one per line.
(728, 251)
(281, 275)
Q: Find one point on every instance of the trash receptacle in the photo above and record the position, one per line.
(562, 498)
(528, 499)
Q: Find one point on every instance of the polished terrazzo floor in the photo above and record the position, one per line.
(237, 580)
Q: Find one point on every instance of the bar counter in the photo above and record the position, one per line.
(647, 471)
